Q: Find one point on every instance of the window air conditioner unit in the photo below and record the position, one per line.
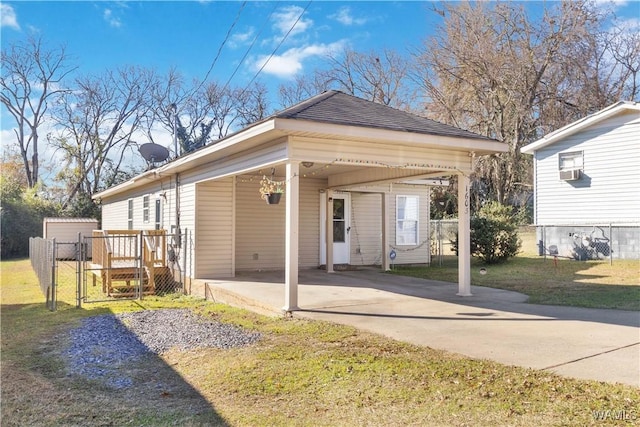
(570, 175)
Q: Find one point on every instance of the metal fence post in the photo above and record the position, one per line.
(544, 243)
(53, 275)
(140, 258)
(185, 248)
(611, 245)
(80, 255)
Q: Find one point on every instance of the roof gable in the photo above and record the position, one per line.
(579, 125)
(336, 107)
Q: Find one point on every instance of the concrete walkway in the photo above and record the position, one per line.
(493, 324)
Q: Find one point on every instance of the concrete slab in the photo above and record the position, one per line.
(493, 324)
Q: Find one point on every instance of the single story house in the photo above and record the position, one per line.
(587, 186)
(355, 176)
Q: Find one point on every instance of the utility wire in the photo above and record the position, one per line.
(275, 5)
(276, 49)
(226, 38)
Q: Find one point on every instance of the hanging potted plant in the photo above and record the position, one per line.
(271, 190)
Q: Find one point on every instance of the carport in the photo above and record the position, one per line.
(332, 143)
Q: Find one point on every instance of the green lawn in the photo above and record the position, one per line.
(594, 284)
(302, 372)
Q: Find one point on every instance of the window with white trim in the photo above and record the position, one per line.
(570, 161)
(130, 214)
(145, 209)
(407, 217)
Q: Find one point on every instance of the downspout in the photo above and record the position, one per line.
(178, 231)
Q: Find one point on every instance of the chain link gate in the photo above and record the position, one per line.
(128, 264)
(109, 266)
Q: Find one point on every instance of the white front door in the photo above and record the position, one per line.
(341, 228)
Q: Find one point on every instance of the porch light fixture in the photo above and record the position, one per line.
(307, 164)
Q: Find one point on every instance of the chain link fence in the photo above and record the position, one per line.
(109, 266)
(583, 242)
(442, 233)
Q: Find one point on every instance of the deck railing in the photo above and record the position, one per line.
(113, 249)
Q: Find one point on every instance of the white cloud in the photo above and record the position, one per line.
(290, 62)
(9, 17)
(112, 20)
(285, 19)
(345, 17)
(241, 38)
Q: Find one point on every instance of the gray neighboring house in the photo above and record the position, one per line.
(356, 177)
(587, 186)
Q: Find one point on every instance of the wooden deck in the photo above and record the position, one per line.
(123, 258)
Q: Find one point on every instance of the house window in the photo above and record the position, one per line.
(407, 215)
(570, 161)
(130, 215)
(145, 209)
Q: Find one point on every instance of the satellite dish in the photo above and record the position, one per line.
(153, 153)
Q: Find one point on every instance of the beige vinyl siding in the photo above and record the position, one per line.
(411, 254)
(187, 223)
(608, 189)
(309, 245)
(214, 229)
(265, 154)
(323, 150)
(366, 228)
(260, 228)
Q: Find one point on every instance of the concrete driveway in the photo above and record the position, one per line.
(493, 324)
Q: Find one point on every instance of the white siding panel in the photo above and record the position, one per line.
(114, 215)
(609, 190)
(214, 229)
(115, 209)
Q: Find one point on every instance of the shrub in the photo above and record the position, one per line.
(20, 218)
(494, 234)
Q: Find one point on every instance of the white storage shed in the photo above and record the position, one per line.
(65, 231)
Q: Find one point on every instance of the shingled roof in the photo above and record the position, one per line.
(340, 108)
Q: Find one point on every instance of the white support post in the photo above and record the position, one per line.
(464, 237)
(329, 231)
(292, 189)
(386, 264)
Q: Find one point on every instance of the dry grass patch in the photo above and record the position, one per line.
(302, 372)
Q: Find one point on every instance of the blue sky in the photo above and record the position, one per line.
(188, 35)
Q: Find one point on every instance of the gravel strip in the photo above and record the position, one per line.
(104, 344)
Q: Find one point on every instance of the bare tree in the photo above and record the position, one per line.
(98, 120)
(378, 76)
(252, 104)
(381, 77)
(31, 76)
(304, 87)
(492, 69)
